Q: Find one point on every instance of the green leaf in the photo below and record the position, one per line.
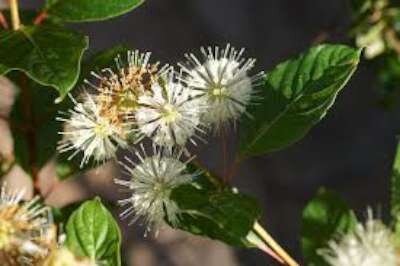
(92, 232)
(296, 95)
(89, 10)
(324, 217)
(223, 215)
(33, 124)
(50, 55)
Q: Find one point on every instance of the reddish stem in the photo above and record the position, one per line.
(3, 21)
(40, 18)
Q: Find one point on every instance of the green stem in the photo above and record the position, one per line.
(16, 22)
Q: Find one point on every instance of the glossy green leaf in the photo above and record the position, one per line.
(220, 214)
(89, 10)
(92, 232)
(50, 55)
(295, 96)
(324, 217)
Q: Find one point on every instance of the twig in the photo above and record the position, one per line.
(16, 22)
(274, 245)
(40, 18)
(254, 239)
(3, 21)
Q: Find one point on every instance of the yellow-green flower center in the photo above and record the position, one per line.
(170, 114)
(219, 91)
(101, 129)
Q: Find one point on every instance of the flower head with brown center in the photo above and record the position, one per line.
(95, 132)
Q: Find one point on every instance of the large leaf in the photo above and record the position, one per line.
(220, 214)
(92, 232)
(325, 217)
(295, 96)
(50, 55)
(89, 10)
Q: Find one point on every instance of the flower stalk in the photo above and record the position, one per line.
(16, 22)
(288, 260)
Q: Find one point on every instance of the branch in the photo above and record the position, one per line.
(3, 21)
(40, 18)
(274, 245)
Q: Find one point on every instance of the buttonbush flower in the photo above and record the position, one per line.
(121, 88)
(368, 245)
(92, 131)
(103, 121)
(168, 114)
(27, 232)
(222, 79)
(150, 183)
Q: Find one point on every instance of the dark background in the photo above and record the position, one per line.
(350, 151)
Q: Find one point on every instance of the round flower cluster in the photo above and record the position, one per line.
(27, 232)
(138, 99)
(369, 244)
(28, 235)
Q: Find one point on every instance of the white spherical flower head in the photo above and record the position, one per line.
(368, 245)
(223, 81)
(93, 131)
(151, 183)
(168, 114)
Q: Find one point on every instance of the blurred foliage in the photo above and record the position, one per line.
(376, 28)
